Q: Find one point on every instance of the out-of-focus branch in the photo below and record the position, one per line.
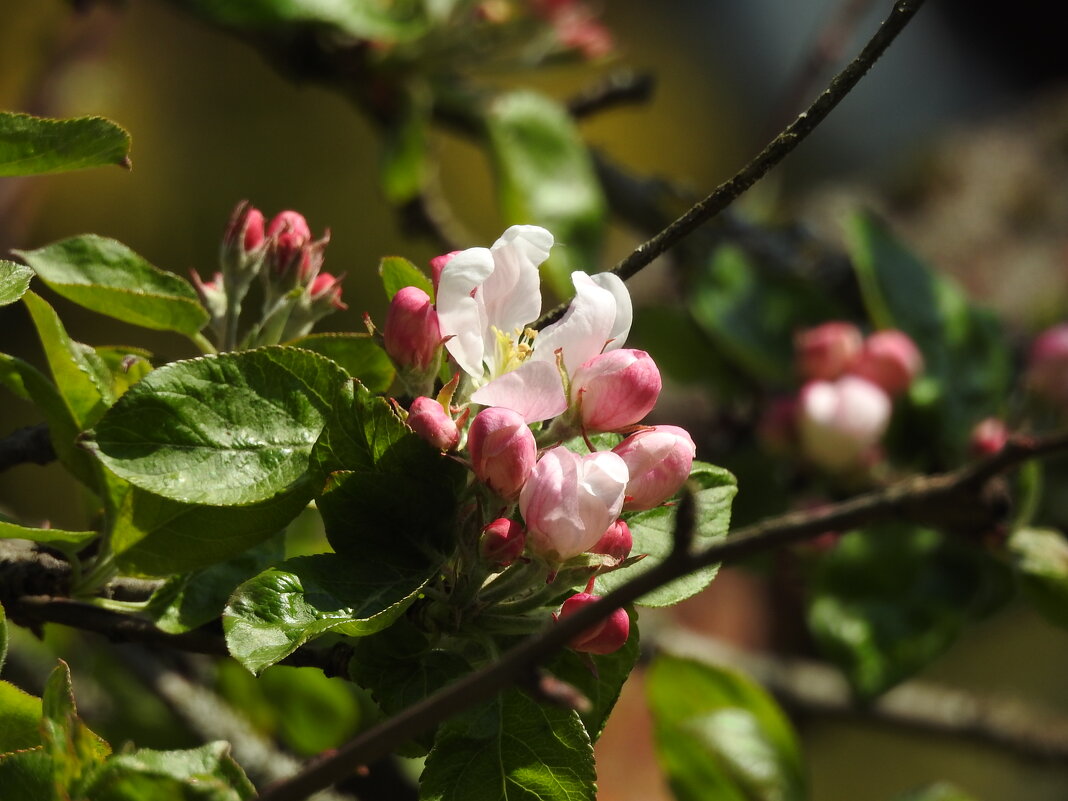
(618, 89)
(29, 444)
(812, 687)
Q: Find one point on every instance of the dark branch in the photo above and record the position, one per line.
(29, 444)
(618, 89)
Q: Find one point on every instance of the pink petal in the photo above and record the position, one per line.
(534, 390)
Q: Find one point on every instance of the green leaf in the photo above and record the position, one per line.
(602, 683)
(968, 371)
(35, 145)
(1040, 560)
(3, 636)
(27, 776)
(942, 791)
(107, 277)
(20, 718)
(207, 773)
(888, 600)
(80, 375)
(75, 750)
(14, 281)
(190, 600)
(69, 542)
(156, 536)
(273, 614)
(508, 749)
(546, 177)
(397, 272)
(127, 366)
(653, 533)
(719, 735)
(222, 430)
(357, 354)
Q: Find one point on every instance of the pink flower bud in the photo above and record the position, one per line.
(616, 542)
(429, 420)
(659, 461)
(840, 421)
(325, 291)
(502, 450)
(1047, 371)
(437, 264)
(412, 337)
(289, 233)
(245, 228)
(502, 542)
(605, 637)
(828, 350)
(890, 360)
(569, 501)
(988, 437)
(615, 389)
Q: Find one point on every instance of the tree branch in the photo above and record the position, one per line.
(776, 150)
(29, 444)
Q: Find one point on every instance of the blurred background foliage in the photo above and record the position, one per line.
(958, 137)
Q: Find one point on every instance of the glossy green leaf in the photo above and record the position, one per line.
(75, 750)
(69, 542)
(223, 430)
(941, 791)
(27, 776)
(719, 735)
(107, 277)
(888, 600)
(653, 533)
(14, 281)
(156, 536)
(273, 614)
(508, 749)
(126, 365)
(81, 377)
(34, 145)
(357, 354)
(20, 718)
(397, 273)
(602, 683)
(546, 177)
(207, 773)
(1040, 560)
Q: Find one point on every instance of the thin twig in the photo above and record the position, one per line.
(776, 150)
(620, 88)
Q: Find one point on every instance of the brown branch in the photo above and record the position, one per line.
(618, 89)
(29, 444)
(776, 150)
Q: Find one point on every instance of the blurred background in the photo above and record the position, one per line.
(959, 135)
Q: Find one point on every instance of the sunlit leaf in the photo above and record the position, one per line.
(34, 145)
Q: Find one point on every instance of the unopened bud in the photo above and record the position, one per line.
(429, 420)
(290, 233)
(890, 360)
(605, 637)
(502, 450)
(615, 389)
(988, 437)
(827, 351)
(325, 292)
(616, 542)
(245, 229)
(659, 460)
(437, 264)
(502, 542)
(412, 336)
(1047, 370)
(212, 294)
(840, 421)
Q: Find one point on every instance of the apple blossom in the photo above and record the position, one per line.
(502, 450)
(569, 501)
(502, 541)
(828, 350)
(658, 461)
(1047, 369)
(604, 637)
(411, 336)
(615, 389)
(616, 542)
(437, 264)
(988, 437)
(839, 421)
(432, 422)
(890, 360)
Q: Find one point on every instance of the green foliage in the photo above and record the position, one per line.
(233, 429)
(357, 354)
(34, 145)
(397, 273)
(545, 177)
(719, 735)
(510, 748)
(107, 277)
(14, 281)
(20, 719)
(653, 533)
(69, 542)
(1040, 560)
(888, 600)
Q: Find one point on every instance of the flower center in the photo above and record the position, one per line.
(512, 349)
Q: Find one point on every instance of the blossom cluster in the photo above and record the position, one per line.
(517, 395)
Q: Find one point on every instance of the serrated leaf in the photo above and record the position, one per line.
(107, 277)
(357, 354)
(207, 773)
(20, 718)
(509, 749)
(546, 177)
(27, 776)
(14, 281)
(273, 614)
(34, 145)
(69, 542)
(1040, 560)
(888, 600)
(397, 272)
(653, 533)
(719, 735)
(232, 429)
(75, 750)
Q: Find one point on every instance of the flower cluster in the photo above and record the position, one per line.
(532, 396)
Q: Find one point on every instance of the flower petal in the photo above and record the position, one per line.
(461, 310)
(586, 327)
(534, 390)
(624, 311)
(512, 294)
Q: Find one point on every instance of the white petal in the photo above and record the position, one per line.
(534, 390)
(585, 328)
(512, 294)
(624, 311)
(460, 315)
